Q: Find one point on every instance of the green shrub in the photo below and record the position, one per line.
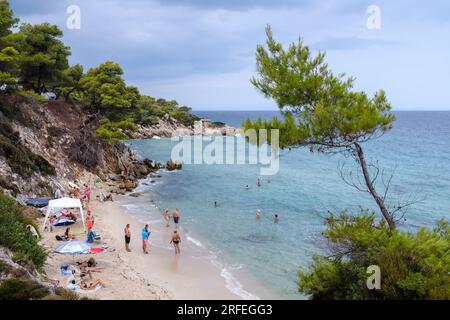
(21, 289)
(15, 236)
(413, 265)
(30, 94)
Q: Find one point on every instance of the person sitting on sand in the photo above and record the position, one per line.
(166, 214)
(176, 217)
(145, 236)
(276, 218)
(68, 235)
(258, 214)
(89, 266)
(176, 239)
(51, 222)
(92, 285)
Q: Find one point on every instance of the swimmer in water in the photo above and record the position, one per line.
(216, 204)
(247, 186)
(276, 218)
(258, 214)
(258, 182)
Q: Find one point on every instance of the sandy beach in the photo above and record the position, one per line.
(135, 275)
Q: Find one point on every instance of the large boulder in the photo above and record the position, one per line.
(170, 165)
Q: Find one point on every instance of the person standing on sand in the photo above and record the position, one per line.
(176, 217)
(166, 214)
(87, 193)
(145, 236)
(176, 239)
(127, 237)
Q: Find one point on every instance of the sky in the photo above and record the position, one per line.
(202, 52)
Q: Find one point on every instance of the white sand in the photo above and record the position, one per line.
(135, 275)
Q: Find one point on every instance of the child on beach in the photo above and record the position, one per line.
(176, 239)
(127, 237)
(145, 236)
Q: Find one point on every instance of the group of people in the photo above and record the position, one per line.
(86, 269)
(275, 217)
(145, 233)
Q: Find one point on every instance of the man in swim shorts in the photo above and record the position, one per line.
(127, 237)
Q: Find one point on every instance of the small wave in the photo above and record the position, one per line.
(194, 241)
(235, 286)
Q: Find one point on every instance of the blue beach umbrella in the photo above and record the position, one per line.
(73, 247)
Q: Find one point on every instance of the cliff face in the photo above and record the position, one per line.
(56, 138)
(171, 128)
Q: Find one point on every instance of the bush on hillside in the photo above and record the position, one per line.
(15, 236)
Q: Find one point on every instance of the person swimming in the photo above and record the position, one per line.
(258, 182)
(166, 214)
(258, 214)
(276, 218)
(216, 204)
(247, 186)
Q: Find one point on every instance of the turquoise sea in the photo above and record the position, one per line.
(306, 187)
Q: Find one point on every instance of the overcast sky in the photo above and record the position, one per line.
(202, 53)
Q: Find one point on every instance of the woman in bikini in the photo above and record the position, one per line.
(176, 239)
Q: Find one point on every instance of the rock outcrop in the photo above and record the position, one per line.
(171, 166)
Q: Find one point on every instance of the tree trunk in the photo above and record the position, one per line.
(384, 211)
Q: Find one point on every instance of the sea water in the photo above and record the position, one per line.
(304, 190)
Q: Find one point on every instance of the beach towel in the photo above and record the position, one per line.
(97, 250)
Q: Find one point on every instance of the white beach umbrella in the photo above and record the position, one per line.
(73, 247)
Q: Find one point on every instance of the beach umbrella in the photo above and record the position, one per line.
(73, 247)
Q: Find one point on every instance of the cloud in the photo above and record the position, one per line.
(203, 52)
